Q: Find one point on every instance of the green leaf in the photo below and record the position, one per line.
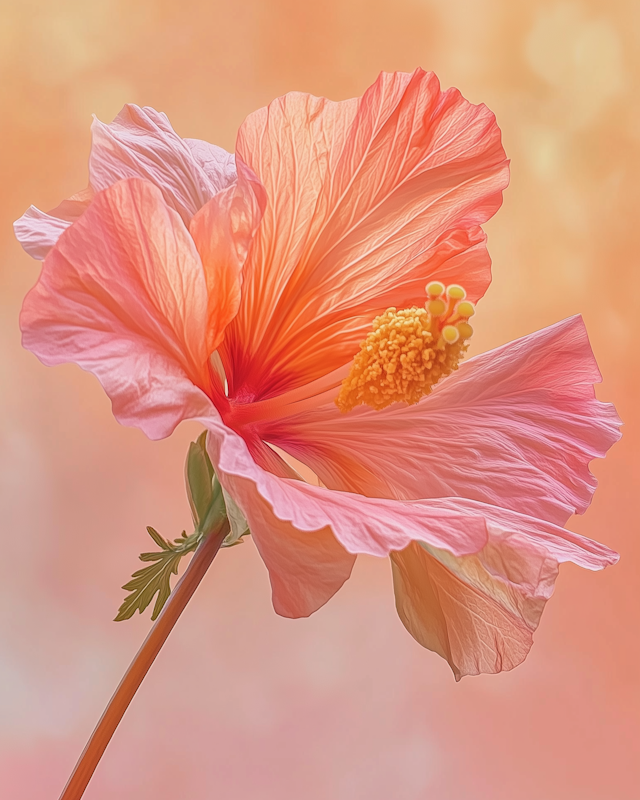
(156, 578)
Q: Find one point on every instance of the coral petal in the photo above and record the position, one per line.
(223, 230)
(368, 199)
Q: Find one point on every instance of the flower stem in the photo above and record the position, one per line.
(142, 662)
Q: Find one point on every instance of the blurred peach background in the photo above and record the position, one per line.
(345, 705)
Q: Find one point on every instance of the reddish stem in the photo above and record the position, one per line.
(143, 660)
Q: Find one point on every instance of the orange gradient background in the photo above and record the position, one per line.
(345, 705)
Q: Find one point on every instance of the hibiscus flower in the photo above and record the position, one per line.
(308, 301)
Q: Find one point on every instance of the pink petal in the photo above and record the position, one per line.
(223, 230)
(140, 142)
(218, 165)
(367, 200)
(480, 622)
(515, 427)
(558, 543)
(471, 578)
(306, 567)
(480, 611)
(308, 536)
(37, 231)
(123, 295)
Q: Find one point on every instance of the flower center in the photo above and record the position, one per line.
(409, 350)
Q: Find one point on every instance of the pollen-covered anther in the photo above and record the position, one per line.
(403, 357)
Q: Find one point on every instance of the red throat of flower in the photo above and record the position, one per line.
(409, 350)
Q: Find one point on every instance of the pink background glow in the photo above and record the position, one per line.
(345, 705)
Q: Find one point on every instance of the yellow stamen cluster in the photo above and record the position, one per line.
(409, 351)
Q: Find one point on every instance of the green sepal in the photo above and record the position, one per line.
(203, 488)
(237, 521)
(199, 478)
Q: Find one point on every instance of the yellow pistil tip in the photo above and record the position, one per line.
(450, 334)
(456, 292)
(466, 309)
(435, 289)
(436, 307)
(465, 330)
